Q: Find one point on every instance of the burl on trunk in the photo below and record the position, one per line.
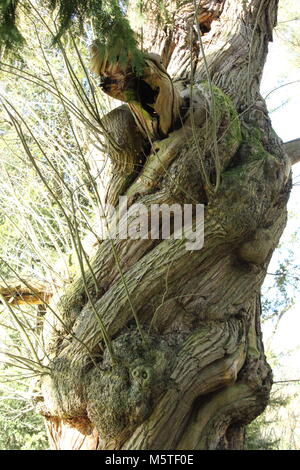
(177, 361)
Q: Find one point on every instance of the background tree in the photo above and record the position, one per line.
(153, 346)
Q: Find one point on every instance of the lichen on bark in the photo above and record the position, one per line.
(201, 375)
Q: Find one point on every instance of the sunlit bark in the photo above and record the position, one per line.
(200, 375)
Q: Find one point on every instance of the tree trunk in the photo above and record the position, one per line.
(178, 361)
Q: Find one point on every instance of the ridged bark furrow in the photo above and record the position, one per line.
(200, 308)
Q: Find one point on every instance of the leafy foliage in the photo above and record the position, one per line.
(48, 113)
(282, 283)
(276, 427)
(10, 35)
(288, 30)
(259, 433)
(22, 430)
(105, 20)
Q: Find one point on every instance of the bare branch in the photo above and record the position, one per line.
(292, 148)
(286, 381)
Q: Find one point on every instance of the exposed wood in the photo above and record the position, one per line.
(70, 434)
(32, 292)
(153, 98)
(201, 374)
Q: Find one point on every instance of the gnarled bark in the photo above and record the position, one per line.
(199, 374)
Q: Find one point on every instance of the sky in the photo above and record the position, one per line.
(284, 107)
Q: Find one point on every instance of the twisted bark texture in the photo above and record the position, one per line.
(200, 374)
